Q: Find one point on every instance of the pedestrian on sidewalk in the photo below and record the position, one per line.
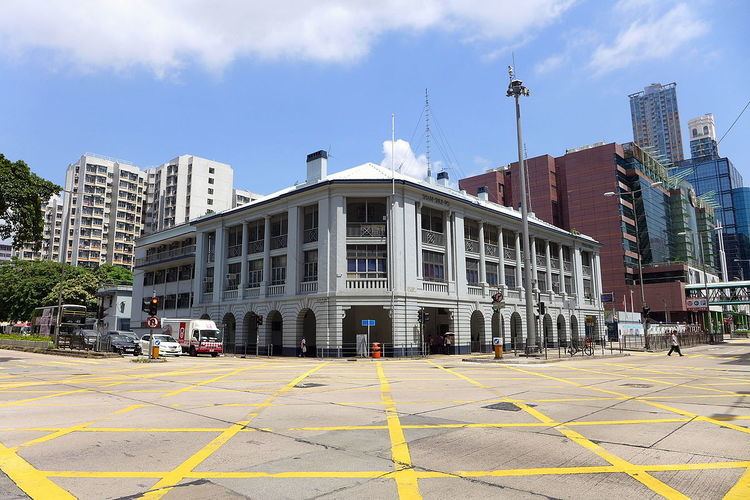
(302, 348)
(675, 345)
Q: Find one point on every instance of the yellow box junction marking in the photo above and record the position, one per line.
(406, 479)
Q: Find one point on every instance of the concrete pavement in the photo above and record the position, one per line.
(635, 427)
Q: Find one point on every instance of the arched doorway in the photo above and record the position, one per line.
(230, 333)
(591, 328)
(205, 316)
(381, 331)
(477, 331)
(574, 331)
(516, 332)
(548, 331)
(275, 328)
(561, 337)
(250, 340)
(306, 328)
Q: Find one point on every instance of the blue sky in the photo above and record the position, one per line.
(260, 86)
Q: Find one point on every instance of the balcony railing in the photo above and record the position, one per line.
(231, 294)
(509, 253)
(252, 291)
(234, 251)
(367, 284)
(490, 250)
(365, 230)
(207, 298)
(310, 235)
(475, 290)
(541, 261)
(567, 266)
(275, 290)
(211, 257)
(255, 246)
(586, 270)
(434, 287)
(555, 263)
(166, 254)
(278, 241)
(433, 238)
(308, 287)
(471, 246)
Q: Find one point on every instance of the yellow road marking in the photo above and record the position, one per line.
(406, 479)
(30, 400)
(741, 489)
(169, 480)
(29, 479)
(210, 381)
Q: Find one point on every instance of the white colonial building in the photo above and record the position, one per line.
(316, 259)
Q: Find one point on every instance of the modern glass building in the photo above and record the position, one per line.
(741, 201)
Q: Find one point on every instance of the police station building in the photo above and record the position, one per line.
(320, 259)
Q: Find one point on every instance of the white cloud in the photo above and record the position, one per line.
(405, 161)
(550, 64)
(648, 38)
(167, 35)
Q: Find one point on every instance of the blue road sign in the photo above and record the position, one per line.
(608, 297)
(368, 322)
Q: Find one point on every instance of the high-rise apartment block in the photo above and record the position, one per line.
(703, 137)
(103, 211)
(243, 197)
(53, 214)
(656, 122)
(185, 188)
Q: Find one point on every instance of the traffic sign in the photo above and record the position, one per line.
(608, 297)
(368, 322)
(152, 322)
(696, 304)
(497, 341)
(157, 342)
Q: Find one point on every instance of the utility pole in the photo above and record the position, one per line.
(516, 90)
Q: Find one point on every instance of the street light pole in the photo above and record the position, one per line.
(516, 89)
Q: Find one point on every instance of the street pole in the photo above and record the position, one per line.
(516, 90)
(640, 271)
(705, 288)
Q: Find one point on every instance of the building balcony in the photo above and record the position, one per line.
(310, 235)
(435, 287)
(555, 263)
(365, 230)
(586, 270)
(509, 253)
(367, 284)
(186, 251)
(471, 246)
(491, 250)
(231, 294)
(276, 290)
(255, 247)
(207, 297)
(567, 266)
(252, 290)
(234, 251)
(433, 238)
(308, 287)
(278, 241)
(475, 290)
(541, 261)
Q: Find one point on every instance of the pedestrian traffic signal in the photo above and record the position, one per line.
(541, 308)
(420, 316)
(258, 319)
(153, 306)
(425, 316)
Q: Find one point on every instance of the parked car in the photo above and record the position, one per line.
(123, 344)
(124, 333)
(168, 346)
(90, 339)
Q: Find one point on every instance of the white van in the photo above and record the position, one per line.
(195, 336)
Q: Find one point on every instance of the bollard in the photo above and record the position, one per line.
(155, 352)
(498, 352)
(376, 350)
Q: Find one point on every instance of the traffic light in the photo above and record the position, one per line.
(153, 306)
(646, 310)
(420, 316)
(541, 308)
(425, 316)
(258, 319)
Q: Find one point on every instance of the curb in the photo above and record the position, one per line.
(62, 352)
(518, 361)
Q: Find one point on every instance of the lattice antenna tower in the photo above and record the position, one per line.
(427, 132)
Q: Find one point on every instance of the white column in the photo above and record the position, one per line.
(578, 274)
(501, 256)
(519, 261)
(419, 240)
(200, 266)
(533, 263)
(448, 250)
(562, 269)
(266, 255)
(293, 253)
(597, 277)
(243, 266)
(324, 247)
(220, 254)
(482, 270)
(548, 262)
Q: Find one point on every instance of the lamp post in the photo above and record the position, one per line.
(742, 269)
(645, 308)
(516, 89)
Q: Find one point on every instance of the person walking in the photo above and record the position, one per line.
(675, 345)
(302, 348)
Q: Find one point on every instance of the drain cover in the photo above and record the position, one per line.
(504, 407)
(308, 385)
(637, 386)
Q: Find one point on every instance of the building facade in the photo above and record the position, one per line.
(187, 187)
(702, 132)
(6, 251)
(656, 122)
(568, 190)
(243, 197)
(320, 259)
(52, 236)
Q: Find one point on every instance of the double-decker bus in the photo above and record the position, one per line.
(44, 319)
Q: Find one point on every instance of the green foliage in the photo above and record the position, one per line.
(22, 194)
(15, 336)
(26, 285)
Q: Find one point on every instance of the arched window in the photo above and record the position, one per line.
(705, 129)
(695, 132)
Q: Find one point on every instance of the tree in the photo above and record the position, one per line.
(117, 275)
(22, 193)
(80, 289)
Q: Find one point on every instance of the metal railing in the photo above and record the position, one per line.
(365, 230)
(567, 266)
(433, 238)
(387, 350)
(234, 251)
(255, 246)
(471, 246)
(509, 254)
(166, 254)
(490, 250)
(586, 270)
(278, 241)
(541, 261)
(310, 235)
(555, 263)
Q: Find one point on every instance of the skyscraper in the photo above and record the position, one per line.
(702, 131)
(656, 122)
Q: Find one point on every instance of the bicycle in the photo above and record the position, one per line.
(587, 349)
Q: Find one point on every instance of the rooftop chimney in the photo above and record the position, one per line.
(317, 166)
(442, 178)
(482, 193)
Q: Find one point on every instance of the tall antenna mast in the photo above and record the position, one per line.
(427, 132)
(393, 152)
